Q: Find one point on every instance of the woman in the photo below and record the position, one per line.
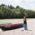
(25, 20)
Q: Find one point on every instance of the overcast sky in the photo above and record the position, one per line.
(27, 4)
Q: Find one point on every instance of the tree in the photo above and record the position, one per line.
(17, 7)
(11, 7)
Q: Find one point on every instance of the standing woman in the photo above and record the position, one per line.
(25, 23)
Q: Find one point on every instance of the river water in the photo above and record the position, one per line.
(30, 23)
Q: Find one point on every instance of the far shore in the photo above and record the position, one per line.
(17, 18)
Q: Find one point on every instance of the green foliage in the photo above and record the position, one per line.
(11, 7)
(12, 12)
(17, 7)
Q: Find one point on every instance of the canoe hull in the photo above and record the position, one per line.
(10, 26)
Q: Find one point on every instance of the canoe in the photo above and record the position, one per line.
(10, 26)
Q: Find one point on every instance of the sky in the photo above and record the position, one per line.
(27, 4)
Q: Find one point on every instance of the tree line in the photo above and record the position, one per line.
(9, 11)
